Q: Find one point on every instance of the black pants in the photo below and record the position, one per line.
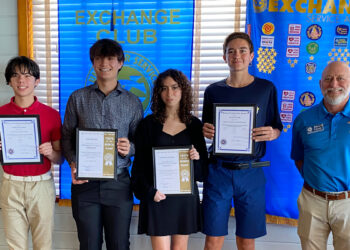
(107, 205)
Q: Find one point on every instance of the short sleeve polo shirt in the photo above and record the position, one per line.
(50, 125)
(322, 141)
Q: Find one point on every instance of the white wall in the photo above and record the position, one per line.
(278, 237)
(8, 43)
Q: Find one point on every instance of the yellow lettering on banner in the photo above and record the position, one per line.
(303, 6)
(115, 17)
(172, 17)
(132, 18)
(144, 65)
(101, 17)
(98, 37)
(127, 58)
(343, 5)
(137, 61)
(132, 36)
(144, 16)
(273, 6)
(148, 68)
(129, 37)
(300, 8)
(92, 78)
(330, 7)
(287, 6)
(77, 17)
(149, 33)
(151, 72)
(313, 5)
(164, 18)
(116, 36)
(91, 16)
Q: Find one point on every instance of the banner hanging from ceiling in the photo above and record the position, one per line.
(293, 43)
(155, 36)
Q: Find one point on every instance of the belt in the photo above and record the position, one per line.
(43, 177)
(244, 165)
(328, 196)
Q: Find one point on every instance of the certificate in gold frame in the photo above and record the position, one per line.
(96, 154)
(173, 170)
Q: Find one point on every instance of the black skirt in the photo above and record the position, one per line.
(174, 215)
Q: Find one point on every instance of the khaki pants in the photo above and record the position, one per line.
(24, 206)
(318, 217)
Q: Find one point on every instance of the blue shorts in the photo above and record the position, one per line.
(247, 188)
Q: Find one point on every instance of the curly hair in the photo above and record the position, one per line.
(158, 106)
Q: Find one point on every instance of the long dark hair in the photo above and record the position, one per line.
(158, 106)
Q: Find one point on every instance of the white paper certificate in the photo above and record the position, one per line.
(96, 154)
(20, 138)
(233, 129)
(173, 170)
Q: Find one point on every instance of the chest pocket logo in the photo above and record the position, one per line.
(315, 129)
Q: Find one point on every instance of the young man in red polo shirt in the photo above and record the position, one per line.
(27, 195)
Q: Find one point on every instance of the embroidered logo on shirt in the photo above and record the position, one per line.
(315, 129)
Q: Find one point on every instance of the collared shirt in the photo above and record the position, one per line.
(50, 128)
(89, 107)
(322, 141)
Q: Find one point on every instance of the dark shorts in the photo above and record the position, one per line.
(247, 188)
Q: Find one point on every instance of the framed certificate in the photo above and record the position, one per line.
(173, 170)
(96, 154)
(233, 129)
(20, 138)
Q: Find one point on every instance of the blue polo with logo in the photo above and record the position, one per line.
(322, 141)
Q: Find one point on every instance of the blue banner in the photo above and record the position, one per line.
(293, 43)
(155, 36)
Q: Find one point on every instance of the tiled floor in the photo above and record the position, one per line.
(279, 237)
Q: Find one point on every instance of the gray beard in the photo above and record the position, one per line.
(335, 100)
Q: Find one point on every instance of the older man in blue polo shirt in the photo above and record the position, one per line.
(321, 150)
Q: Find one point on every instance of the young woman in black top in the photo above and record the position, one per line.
(168, 219)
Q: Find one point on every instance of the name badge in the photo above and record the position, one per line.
(315, 129)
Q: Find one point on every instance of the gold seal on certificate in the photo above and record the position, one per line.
(172, 170)
(20, 138)
(233, 129)
(96, 154)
